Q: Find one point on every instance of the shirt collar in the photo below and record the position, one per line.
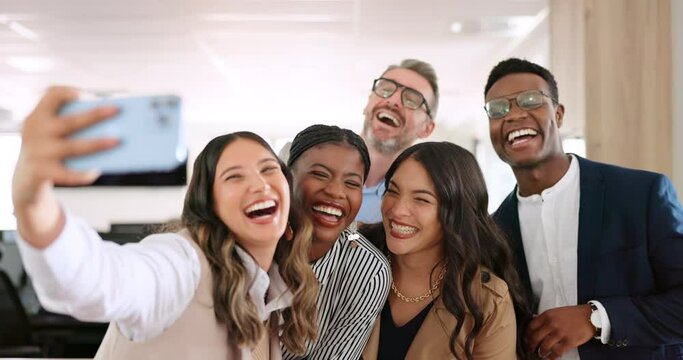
(565, 181)
(279, 294)
(374, 190)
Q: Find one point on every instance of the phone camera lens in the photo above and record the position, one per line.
(163, 120)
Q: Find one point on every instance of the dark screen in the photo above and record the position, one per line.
(175, 177)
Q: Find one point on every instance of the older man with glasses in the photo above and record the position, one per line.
(400, 109)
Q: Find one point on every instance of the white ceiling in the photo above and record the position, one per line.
(269, 66)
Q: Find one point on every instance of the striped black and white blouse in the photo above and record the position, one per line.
(354, 283)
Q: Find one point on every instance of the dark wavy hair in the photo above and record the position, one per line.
(230, 284)
(471, 239)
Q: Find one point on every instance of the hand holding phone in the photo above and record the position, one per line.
(40, 164)
(149, 133)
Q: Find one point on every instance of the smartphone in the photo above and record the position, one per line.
(149, 129)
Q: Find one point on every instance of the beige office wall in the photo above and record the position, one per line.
(567, 59)
(628, 82)
(677, 98)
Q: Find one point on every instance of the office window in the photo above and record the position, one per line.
(574, 145)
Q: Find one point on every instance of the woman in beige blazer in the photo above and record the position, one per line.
(454, 290)
(223, 287)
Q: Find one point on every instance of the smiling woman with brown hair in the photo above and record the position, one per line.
(454, 291)
(330, 165)
(223, 287)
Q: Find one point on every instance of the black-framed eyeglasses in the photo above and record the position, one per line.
(410, 98)
(526, 100)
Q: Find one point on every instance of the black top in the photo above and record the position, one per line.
(394, 341)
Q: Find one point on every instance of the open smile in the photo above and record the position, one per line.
(328, 214)
(401, 230)
(262, 210)
(389, 119)
(519, 137)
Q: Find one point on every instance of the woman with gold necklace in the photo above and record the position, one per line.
(454, 290)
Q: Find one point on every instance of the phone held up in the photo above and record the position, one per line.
(149, 130)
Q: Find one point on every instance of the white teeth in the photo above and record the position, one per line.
(521, 132)
(403, 229)
(261, 205)
(386, 116)
(328, 210)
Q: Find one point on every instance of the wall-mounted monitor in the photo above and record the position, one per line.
(175, 177)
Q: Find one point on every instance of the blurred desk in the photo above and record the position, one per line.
(65, 336)
(62, 335)
(44, 320)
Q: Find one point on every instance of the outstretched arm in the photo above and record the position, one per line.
(143, 287)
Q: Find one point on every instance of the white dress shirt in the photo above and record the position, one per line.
(144, 287)
(549, 225)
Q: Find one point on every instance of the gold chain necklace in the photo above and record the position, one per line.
(416, 299)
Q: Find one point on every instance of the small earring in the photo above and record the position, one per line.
(289, 232)
(353, 228)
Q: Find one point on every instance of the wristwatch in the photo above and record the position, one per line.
(595, 320)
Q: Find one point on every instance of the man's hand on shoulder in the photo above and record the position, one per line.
(557, 330)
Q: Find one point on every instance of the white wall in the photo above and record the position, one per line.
(103, 206)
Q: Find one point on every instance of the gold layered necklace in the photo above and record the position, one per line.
(416, 299)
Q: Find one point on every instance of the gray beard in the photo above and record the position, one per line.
(386, 147)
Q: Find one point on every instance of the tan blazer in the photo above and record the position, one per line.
(496, 340)
(195, 335)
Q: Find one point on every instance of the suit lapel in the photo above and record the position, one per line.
(434, 330)
(509, 217)
(591, 204)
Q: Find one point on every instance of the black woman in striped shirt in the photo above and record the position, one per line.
(330, 165)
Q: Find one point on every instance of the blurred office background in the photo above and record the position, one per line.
(272, 67)
(276, 66)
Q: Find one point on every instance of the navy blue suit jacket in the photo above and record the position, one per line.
(630, 258)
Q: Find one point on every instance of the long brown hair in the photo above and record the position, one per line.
(471, 239)
(230, 283)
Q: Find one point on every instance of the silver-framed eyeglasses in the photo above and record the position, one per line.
(526, 100)
(410, 98)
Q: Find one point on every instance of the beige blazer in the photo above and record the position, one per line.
(496, 340)
(195, 335)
